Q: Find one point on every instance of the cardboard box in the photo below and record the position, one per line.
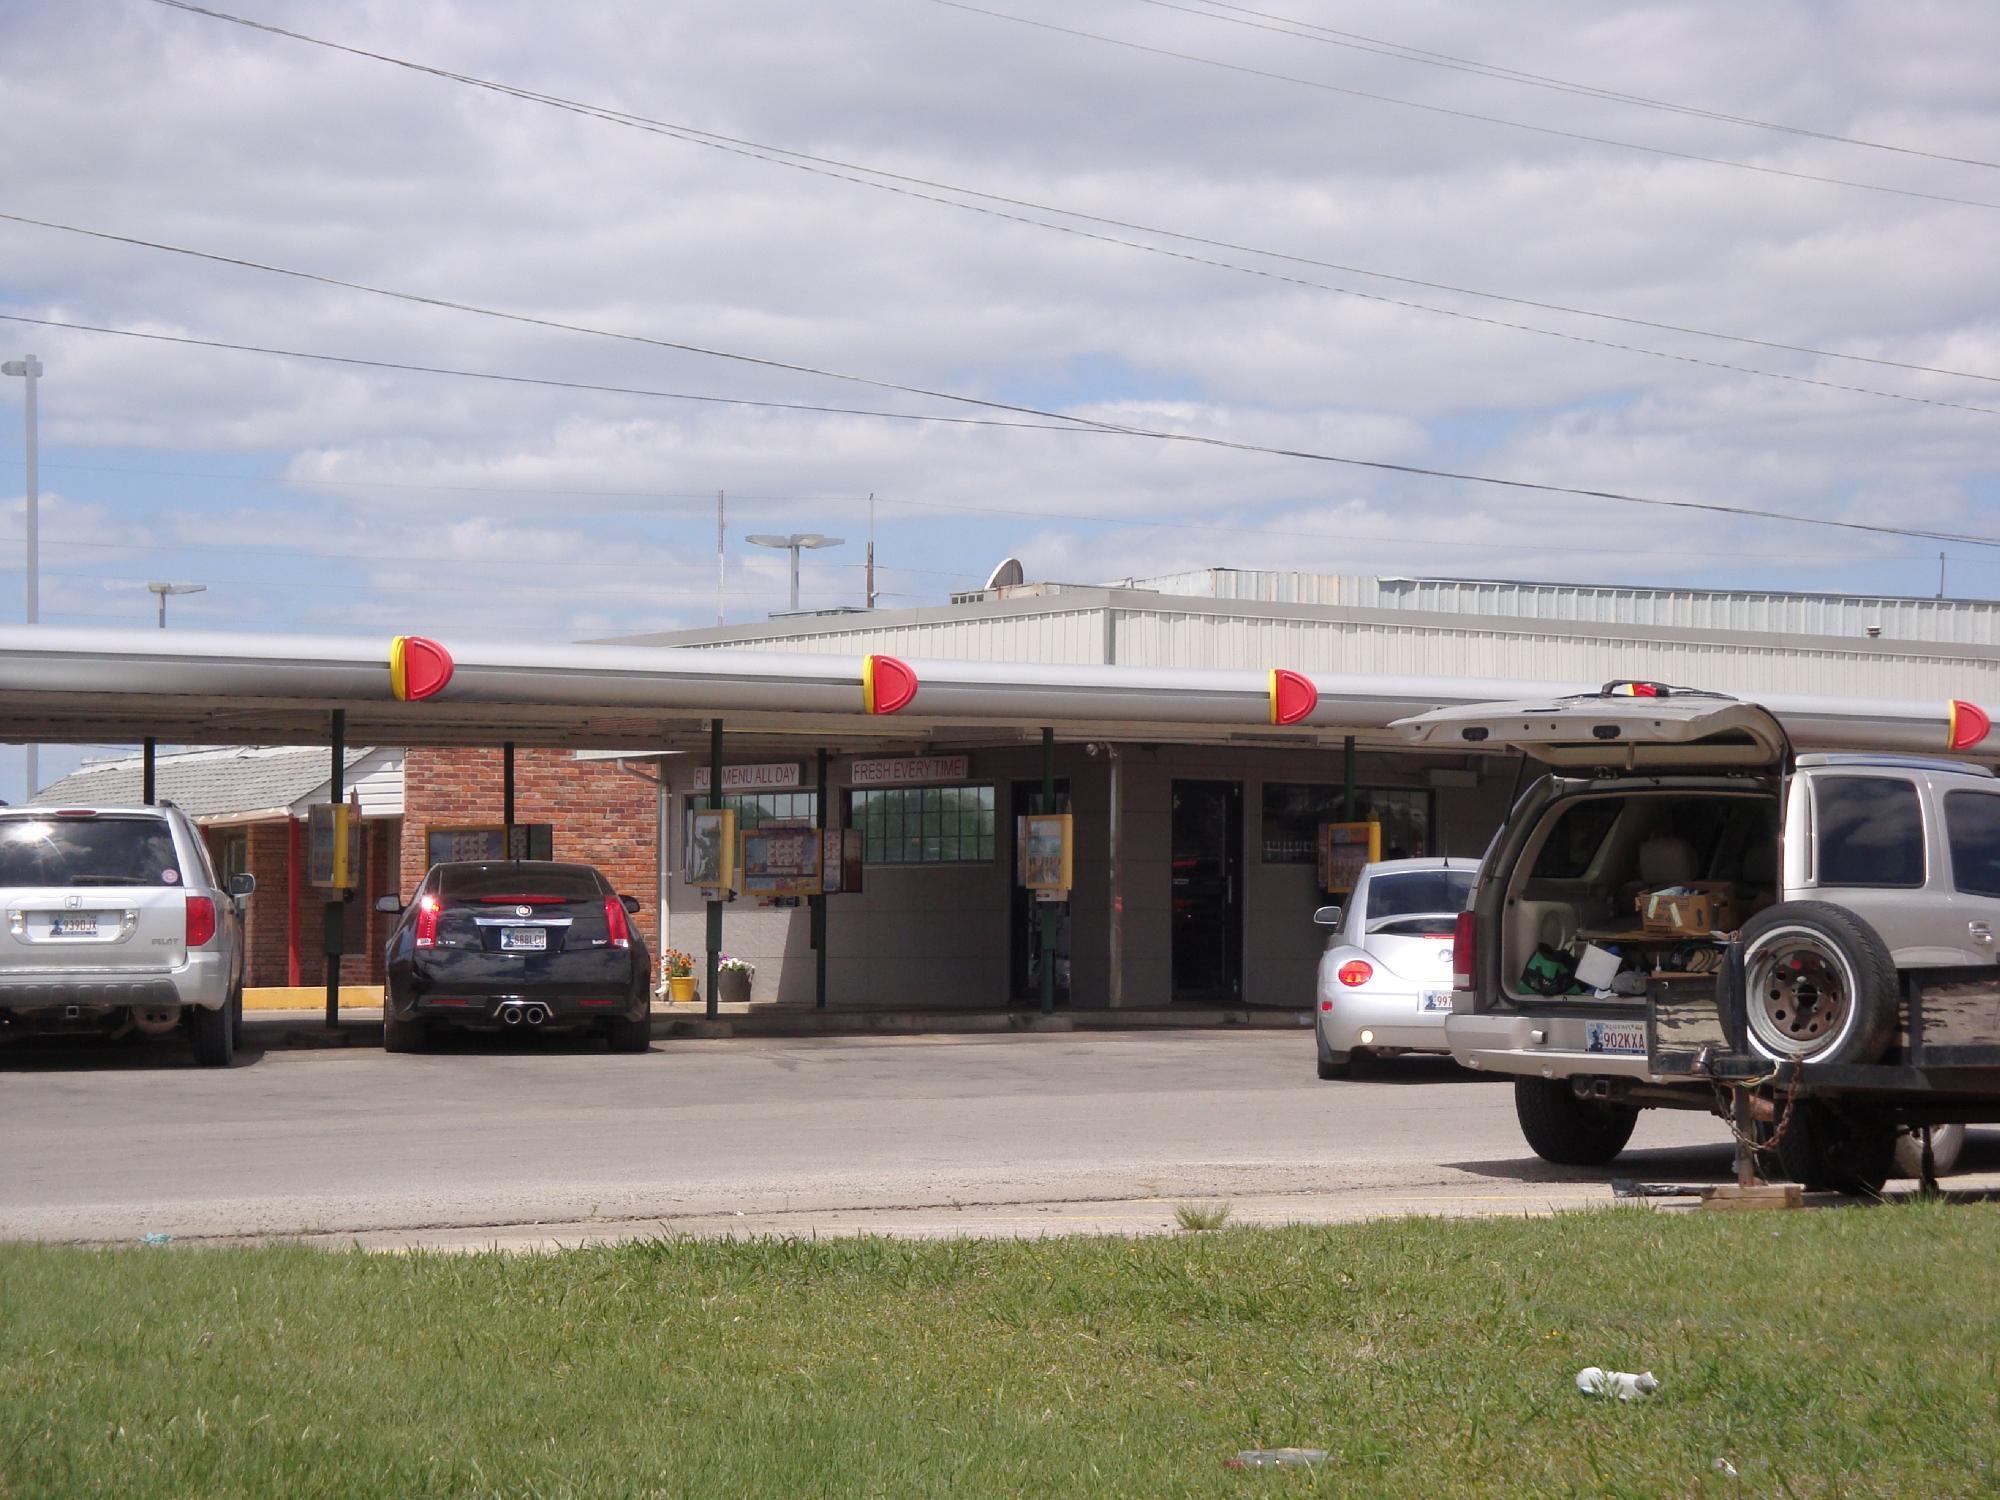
(1712, 906)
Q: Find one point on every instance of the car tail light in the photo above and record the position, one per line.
(427, 921)
(614, 919)
(200, 921)
(1464, 939)
(1356, 971)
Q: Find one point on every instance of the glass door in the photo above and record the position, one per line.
(1208, 890)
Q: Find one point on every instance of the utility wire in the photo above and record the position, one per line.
(1123, 429)
(562, 385)
(1436, 109)
(883, 180)
(1332, 36)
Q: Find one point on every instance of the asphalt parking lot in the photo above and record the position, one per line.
(529, 1141)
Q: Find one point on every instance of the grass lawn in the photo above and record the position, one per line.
(1845, 1352)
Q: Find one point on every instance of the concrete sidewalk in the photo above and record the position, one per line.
(361, 1025)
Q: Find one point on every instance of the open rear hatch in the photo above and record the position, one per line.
(1624, 726)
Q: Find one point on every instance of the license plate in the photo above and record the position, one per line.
(1624, 1037)
(524, 939)
(1436, 1000)
(73, 924)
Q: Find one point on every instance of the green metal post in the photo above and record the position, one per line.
(336, 910)
(819, 901)
(148, 773)
(715, 903)
(507, 799)
(1049, 914)
(1347, 781)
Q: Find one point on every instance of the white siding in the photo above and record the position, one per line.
(377, 778)
(1071, 637)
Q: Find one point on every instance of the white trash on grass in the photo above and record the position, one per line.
(1596, 1382)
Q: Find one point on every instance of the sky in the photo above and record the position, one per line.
(1324, 218)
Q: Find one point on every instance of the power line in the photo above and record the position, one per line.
(1436, 109)
(883, 180)
(1354, 41)
(1122, 429)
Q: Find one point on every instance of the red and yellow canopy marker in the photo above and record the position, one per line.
(1293, 696)
(418, 667)
(886, 684)
(1969, 724)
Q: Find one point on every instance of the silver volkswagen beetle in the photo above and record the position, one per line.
(1385, 979)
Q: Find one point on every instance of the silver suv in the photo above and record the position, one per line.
(1685, 913)
(111, 920)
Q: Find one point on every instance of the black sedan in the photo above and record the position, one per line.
(516, 944)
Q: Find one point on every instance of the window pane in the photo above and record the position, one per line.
(1870, 831)
(1293, 812)
(1972, 819)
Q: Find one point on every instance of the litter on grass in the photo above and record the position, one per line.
(1596, 1382)
(1276, 1458)
(154, 1237)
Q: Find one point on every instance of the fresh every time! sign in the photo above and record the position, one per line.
(909, 768)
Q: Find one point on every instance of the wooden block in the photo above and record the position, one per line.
(1763, 1195)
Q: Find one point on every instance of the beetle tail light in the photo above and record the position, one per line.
(1356, 971)
(1464, 939)
(614, 920)
(200, 921)
(427, 921)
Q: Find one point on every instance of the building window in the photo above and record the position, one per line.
(755, 809)
(1293, 811)
(923, 825)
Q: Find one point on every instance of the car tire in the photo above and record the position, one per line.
(1947, 1141)
(631, 1033)
(1569, 1131)
(1335, 1065)
(403, 1036)
(1830, 1150)
(1819, 985)
(214, 1034)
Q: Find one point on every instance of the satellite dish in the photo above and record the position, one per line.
(1007, 575)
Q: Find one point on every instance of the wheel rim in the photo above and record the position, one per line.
(1799, 994)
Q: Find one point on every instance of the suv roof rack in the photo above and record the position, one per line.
(1897, 762)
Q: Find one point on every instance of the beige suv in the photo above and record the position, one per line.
(1683, 912)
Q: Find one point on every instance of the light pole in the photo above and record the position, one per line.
(31, 370)
(796, 542)
(164, 589)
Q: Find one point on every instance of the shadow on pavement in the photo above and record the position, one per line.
(1421, 1067)
(1689, 1164)
(96, 1054)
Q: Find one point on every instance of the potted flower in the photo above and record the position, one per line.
(679, 969)
(733, 982)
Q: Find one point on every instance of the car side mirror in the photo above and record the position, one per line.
(630, 903)
(393, 905)
(242, 885)
(1328, 916)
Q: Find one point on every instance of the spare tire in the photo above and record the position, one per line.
(1818, 985)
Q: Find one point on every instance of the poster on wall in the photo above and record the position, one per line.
(709, 861)
(1343, 849)
(780, 859)
(1046, 851)
(841, 863)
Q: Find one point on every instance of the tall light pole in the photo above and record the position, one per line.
(31, 370)
(164, 589)
(796, 542)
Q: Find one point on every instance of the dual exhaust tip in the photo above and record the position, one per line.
(515, 1013)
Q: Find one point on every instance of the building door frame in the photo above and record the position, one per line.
(1205, 891)
(1024, 980)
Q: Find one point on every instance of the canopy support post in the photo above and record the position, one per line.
(1049, 915)
(1347, 780)
(507, 799)
(148, 774)
(819, 901)
(715, 899)
(336, 909)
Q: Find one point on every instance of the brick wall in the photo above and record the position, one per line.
(267, 916)
(601, 815)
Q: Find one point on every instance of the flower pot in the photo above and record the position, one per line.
(733, 985)
(680, 989)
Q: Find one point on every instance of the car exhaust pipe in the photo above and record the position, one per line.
(534, 1015)
(511, 1015)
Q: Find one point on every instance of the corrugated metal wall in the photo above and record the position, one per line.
(1962, 621)
(1073, 637)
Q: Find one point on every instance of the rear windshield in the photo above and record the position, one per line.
(524, 881)
(87, 851)
(1419, 893)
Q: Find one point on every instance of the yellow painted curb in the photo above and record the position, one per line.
(307, 996)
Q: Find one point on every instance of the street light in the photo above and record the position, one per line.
(164, 589)
(30, 369)
(794, 544)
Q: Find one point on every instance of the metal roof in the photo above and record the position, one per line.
(205, 784)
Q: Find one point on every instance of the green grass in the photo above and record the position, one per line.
(1197, 1217)
(1848, 1352)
